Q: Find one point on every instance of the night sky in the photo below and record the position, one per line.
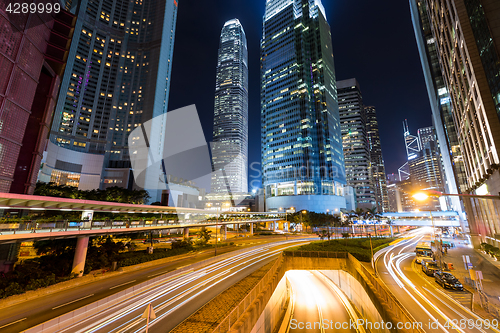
(372, 42)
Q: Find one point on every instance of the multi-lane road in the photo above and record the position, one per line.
(435, 308)
(173, 298)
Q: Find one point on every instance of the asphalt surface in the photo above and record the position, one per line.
(317, 306)
(173, 300)
(431, 306)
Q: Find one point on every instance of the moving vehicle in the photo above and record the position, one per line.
(429, 267)
(447, 280)
(423, 251)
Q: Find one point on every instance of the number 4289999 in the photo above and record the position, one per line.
(40, 8)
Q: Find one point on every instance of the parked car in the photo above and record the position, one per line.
(429, 267)
(447, 280)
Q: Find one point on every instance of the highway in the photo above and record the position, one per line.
(176, 297)
(318, 305)
(429, 303)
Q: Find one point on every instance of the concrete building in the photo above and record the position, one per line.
(117, 78)
(377, 166)
(33, 54)
(356, 144)
(230, 131)
(301, 143)
(465, 36)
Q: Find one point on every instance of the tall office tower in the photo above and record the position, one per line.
(454, 177)
(463, 36)
(425, 168)
(33, 54)
(117, 78)
(377, 160)
(355, 142)
(230, 132)
(302, 159)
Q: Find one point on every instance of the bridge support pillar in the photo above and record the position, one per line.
(224, 232)
(353, 231)
(251, 229)
(82, 244)
(185, 233)
(392, 231)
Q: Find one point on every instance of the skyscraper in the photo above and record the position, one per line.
(302, 158)
(426, 168)
(118, 77)
(230, 131)
(33, 54)
(454, 177)
(377, 166)
(355, 142)
(464, 38)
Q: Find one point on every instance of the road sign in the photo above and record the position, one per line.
(479, 275)
(472, 275)
(469, 265)
(149, 313)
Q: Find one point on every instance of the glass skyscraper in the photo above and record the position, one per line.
(302, 158)
(230, 131)
(117, 78)
(376, 159)
(355, 142)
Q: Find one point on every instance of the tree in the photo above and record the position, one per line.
(204, 236)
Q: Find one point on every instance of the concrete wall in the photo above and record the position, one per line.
(270, 317)
(357, 295)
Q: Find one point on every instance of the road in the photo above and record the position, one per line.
(429, 304)
(173, 298)
(318, 305)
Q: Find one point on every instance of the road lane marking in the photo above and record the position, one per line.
(76, 300)
(122, 284)
(14, 322)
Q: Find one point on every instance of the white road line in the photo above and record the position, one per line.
(14, 322)
(157, 274)
(76, 300)
(122, 284)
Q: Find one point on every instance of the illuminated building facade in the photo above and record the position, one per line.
(301, 143)
(118, 77)
(356, 143)
(377, 166)
(466, 38)
(230, 131)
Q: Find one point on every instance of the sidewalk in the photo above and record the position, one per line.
(481, 262)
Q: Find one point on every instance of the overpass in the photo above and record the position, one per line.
(416, 219)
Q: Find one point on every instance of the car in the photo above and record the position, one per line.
(447, 280)
(429, 267)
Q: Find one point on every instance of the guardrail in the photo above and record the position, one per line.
(63, 226)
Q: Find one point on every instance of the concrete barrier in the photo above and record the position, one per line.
(90, 309)
(384, 306)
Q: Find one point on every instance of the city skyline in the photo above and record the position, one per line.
(391, 108)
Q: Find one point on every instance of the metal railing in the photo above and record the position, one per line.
(316, 254)
(63, 226)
